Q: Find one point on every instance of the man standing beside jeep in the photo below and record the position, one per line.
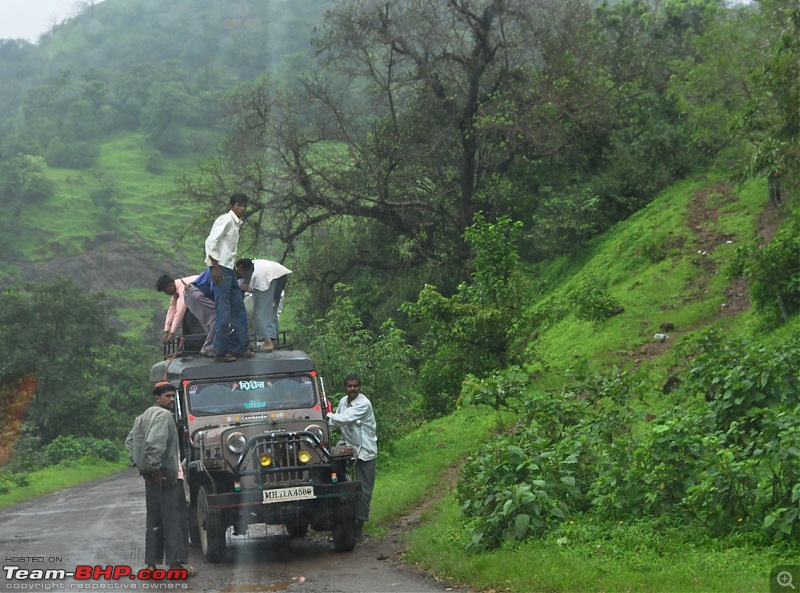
(153, 447)
(356, 420)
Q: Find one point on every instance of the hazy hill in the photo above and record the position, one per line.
(90, 87)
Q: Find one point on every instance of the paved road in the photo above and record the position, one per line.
(102, 523)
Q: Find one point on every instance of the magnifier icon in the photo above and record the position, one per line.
(784, 579)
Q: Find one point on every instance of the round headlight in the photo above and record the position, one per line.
(265, 460)
(304, 456)
(236, 442)
(317, 431)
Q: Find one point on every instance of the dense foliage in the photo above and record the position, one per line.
(468, 332)
(772, 273)
(341, 346)
(725, 460)
(60, 348)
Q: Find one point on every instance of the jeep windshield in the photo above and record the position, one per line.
(251, 394)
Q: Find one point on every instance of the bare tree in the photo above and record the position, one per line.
(413, 111)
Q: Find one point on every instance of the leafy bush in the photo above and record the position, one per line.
(528, 482)
(773, 273)
(72, 155)
(155, 164)
(468, 332)
(21, 479)
(729, 463)
(740, 378)
(501, 390)
(68, 449)
(592, 300)
(725, 460)
(27, 454)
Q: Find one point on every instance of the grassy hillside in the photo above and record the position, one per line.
(666, 264)
(118, 247)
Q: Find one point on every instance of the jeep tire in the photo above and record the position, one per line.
(212, 529)
(343, 530)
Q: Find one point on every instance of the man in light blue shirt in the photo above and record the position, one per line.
(356, 420)
(221, 246)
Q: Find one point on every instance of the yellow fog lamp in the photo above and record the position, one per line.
(304, 456)
(265, 460)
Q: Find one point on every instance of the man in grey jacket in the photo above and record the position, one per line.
(153, 447)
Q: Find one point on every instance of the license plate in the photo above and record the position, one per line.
(284, 494)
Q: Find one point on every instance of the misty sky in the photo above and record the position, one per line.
(27, 19)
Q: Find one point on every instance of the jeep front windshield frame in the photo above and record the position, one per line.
(252, 394)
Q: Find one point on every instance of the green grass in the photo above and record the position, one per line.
(67, 224)
(649, 265)
(57, 477)
(614, 557)
(578, 556)
(417, 465)
(137, 311)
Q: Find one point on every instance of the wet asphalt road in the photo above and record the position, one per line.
(102, 524)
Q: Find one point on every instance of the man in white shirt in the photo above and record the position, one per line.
(221, 245)
(265, 279)
(356, 420)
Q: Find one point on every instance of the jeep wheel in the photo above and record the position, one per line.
(344, 529)
(212, 529)
(194, 525)
(297, 528)
(344, 537)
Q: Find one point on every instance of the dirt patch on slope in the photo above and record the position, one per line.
(107, 264)
(111, 264)
(701, 215)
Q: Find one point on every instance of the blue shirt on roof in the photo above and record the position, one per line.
(205, 283)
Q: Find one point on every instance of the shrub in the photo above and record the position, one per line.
(28, 454)
(772, 272)
(592, 300)
(72, 155)
(21, 480)
(155, 164)
(68, 449)
(468, 332)
(527, 483)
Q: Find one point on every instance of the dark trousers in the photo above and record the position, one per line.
(230, 314)
(165, 539)
(365, 473)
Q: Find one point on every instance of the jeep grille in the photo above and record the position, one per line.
(283, 448)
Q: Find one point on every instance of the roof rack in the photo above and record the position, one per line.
(190, 344)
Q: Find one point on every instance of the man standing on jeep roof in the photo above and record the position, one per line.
(355, 418)
(153, 447)
(221, 245)
(266, 279)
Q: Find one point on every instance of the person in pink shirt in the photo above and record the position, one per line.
(186, 295)
(177, 305)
